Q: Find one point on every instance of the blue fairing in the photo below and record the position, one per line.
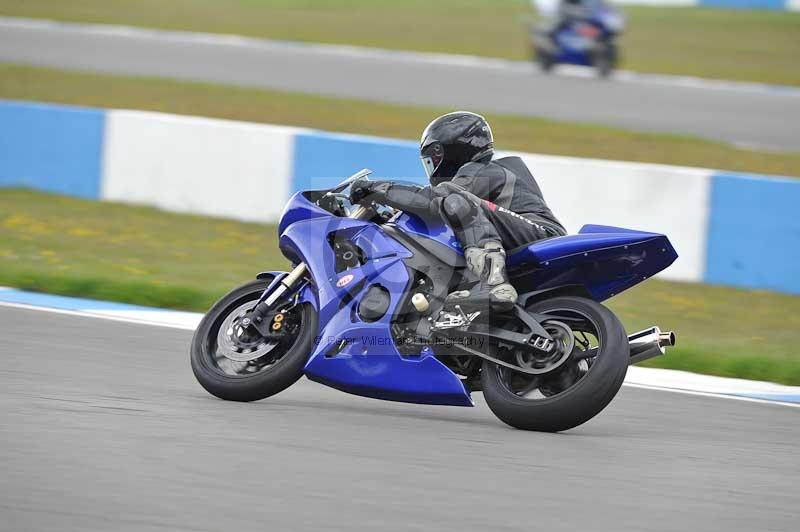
(602, 259)
(369, 364)
(361, 358)
(573, 49)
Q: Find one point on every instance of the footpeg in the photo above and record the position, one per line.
(450, 320)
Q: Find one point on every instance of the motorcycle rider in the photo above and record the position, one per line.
(568, 11)
(490, 204)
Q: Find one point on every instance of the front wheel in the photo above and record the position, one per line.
(236, 363)
(545, 60)
(573, 384)
(605, 59)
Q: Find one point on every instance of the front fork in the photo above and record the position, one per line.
(276, 291)
(286, 283)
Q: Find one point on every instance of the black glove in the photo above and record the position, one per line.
(362, 188)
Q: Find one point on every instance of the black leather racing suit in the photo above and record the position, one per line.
(568, 12)
(491, 201)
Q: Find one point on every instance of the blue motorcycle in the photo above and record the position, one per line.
(588, 40)
(363, 311)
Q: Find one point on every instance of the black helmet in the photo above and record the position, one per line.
(453, 140)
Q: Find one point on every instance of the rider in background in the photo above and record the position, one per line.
(569, 11)
(490, 204)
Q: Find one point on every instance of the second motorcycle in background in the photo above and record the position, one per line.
(578, 32)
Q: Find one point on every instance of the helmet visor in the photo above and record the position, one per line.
(428, 164)
(432, 157)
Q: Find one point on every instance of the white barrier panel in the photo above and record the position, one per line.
(198, 165)
(664, 199)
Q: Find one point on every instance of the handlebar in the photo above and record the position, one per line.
(335, 196)
(346, 183)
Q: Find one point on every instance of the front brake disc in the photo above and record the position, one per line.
(235, 342)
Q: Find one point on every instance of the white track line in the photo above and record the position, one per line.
(709, 394)
(100, 315)
(112, 315)
(431, 58)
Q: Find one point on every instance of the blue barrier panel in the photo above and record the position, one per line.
(323, 159)
(51, 148)
(754, 232)
(745, 4)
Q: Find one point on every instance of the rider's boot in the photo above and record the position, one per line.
(494, 292)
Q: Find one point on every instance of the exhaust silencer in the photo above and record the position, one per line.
(649, 343)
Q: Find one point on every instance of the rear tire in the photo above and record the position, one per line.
(266, 382)
(586, 397)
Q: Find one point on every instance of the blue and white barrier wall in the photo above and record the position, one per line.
(197, 165)
(733, 229)
(52, 148)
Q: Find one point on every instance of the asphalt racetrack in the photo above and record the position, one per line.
(102, 427)
(742, 114)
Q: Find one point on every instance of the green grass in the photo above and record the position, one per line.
(122, 253)
(517, 133)
(721, 331)
(732, 44)
(718, 43)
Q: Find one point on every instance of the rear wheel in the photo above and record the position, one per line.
(236, 363)
(574, 383)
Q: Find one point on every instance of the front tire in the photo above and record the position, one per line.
(276, 370)
(605, 59)
(561, 406)
(545, 60)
